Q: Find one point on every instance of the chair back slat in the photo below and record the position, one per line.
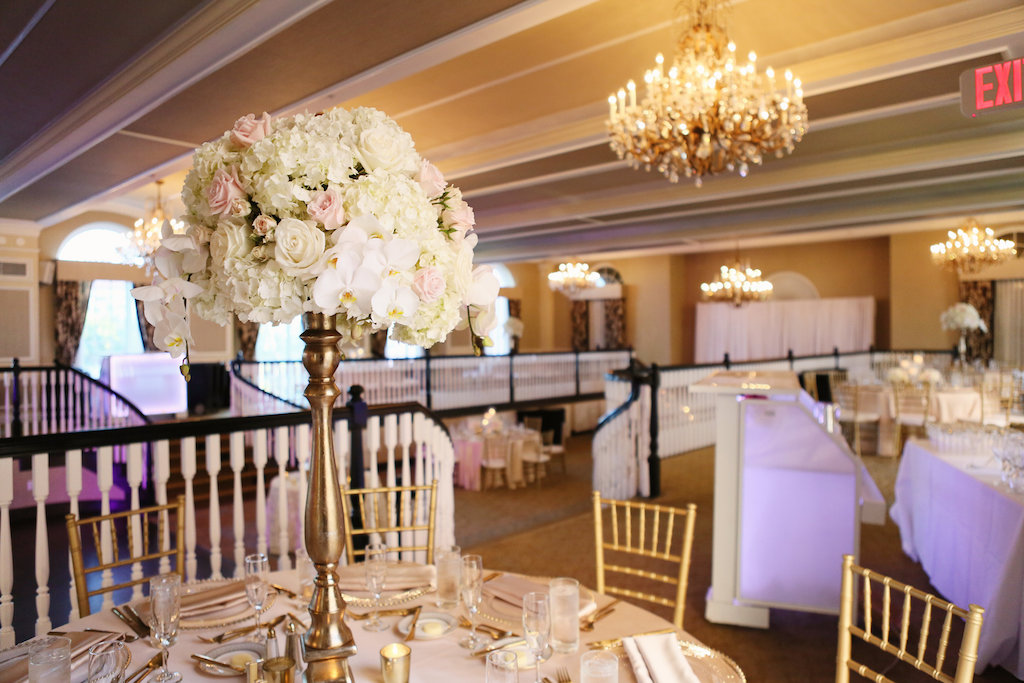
(385, 515)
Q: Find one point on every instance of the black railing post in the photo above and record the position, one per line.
(511, 379)
(725, 360)
(356, 468)
(835, 353)
(654, 460)
(577, 372)
(16, 428)
(789, 357)
(426, 378)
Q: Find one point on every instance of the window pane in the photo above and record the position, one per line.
(97, 243)
(111, 325)
(280, 342)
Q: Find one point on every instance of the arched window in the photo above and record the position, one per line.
(100, 242)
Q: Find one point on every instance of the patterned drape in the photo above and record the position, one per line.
(580, 326)
(378, 340)
(981, 295)
(72, 301)
(246, 335)
(515, 310)
(145, 329)
(615, 323)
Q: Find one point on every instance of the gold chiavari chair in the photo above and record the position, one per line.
(110, 533)
(911, 410)
(881, 636)
(645, 535)
(392, 510)
(553, 450)
(848, 398)
(495, 460)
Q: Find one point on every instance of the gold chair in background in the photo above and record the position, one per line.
(390, 510)
(495, 461)
(911, 410)
(884, 585)
(646, 532)
(848, 398)
(109, 533)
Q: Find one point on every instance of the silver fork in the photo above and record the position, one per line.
(562, 674)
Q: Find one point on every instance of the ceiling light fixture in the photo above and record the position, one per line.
(706, 114)
(737, 284)
(145, 237)
(572, 277)
(971, 248)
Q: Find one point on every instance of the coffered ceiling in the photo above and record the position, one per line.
(508, 99)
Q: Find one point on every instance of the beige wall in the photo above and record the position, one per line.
(921, 291)
(649, 291)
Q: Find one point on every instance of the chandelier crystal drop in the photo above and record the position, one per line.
(707, 113)
(737, 284)
(572, 277)
(971, 248)
(147, 232)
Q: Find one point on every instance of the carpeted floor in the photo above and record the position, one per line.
(548, 531)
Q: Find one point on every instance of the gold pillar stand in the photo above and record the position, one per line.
(329, 641)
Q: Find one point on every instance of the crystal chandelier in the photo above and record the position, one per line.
(572, 276)
(145, 237)
(737, 283)
(706, 114)
(971, 248)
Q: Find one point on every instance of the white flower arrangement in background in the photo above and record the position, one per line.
(514, 327)
(333, 213)
(930, 376)
(962, 316)
(897, 376)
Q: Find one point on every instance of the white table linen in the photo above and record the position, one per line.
(967, 531)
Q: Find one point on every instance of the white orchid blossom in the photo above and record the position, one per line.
(393, 304)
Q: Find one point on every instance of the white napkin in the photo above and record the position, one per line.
(14, 668)
(352, 577)
(658, 659)
(200, 601)
(511, 589)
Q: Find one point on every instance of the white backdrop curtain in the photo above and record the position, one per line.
(1008, 325)
(770, 329)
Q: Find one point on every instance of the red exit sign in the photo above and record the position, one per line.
(993, 87)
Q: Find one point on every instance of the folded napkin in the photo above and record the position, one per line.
(511, 588)
(400, 576)
(658, 659)
(200, 602)
(14, 661)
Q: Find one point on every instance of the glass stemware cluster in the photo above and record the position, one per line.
(537, 626)
(472, 586)
(165, 609)
(375, 563)
(257, 587)
(1009, 451)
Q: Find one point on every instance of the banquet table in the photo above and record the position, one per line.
(949, 405)
(433, 661)
(469, 453)
(967, 531)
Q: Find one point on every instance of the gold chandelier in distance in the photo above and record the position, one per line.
(971, 248)
(145, 237)
(572, 277)
(706, 114)
(737, 284)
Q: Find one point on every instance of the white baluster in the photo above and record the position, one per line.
(302, 455)
(390, 444)
(6, 554)
(213, 469)
(371, 450)
(188, 473)
(105, 480)
(73, 486)
(134, 476)
(33, 420)
(40, 491)
(259, 459)
(161, 474)
(236, 443)
(281, 457)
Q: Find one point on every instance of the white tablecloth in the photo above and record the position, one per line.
(967, 531)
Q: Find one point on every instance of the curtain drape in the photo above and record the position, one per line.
(615, 323)
(580, 326)
(145, 329)
(246, 335)
(980, 294)
(72, 301)
(378, 341)
(770, 329)
(1008, 322)
(515, 310)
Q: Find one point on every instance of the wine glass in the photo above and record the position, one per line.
(537, 625)
(165, 608)
(257, 587)
(375, 562)
(472, 584)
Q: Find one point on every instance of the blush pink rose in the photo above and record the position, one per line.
(249, 129)
(428, 284)
(224, 188)
(461, 217)
(326, 208)
(431, 179)
(263, 224)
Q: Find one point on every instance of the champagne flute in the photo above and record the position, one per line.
(472, 584)
(375, 563)
(537, 625)
(165, 606)
(257, 587)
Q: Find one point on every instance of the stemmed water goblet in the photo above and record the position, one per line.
(257, 587)
(165, 609)
(375, 562)
(471, 585)
(537, 625)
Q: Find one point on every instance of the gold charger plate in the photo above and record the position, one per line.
(711, 666)
(232, 614)
(496, 610)
(389, 599)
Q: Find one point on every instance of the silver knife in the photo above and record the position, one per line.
(131, 623)
(499, 646)
(135, 615)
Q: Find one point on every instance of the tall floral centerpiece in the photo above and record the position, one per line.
(335, 217)
(963, 318)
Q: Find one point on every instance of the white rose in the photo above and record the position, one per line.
(299, 246)
(388, 148)
(229, 242)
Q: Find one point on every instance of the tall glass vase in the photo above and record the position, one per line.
(329, 641)
(962, 349)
